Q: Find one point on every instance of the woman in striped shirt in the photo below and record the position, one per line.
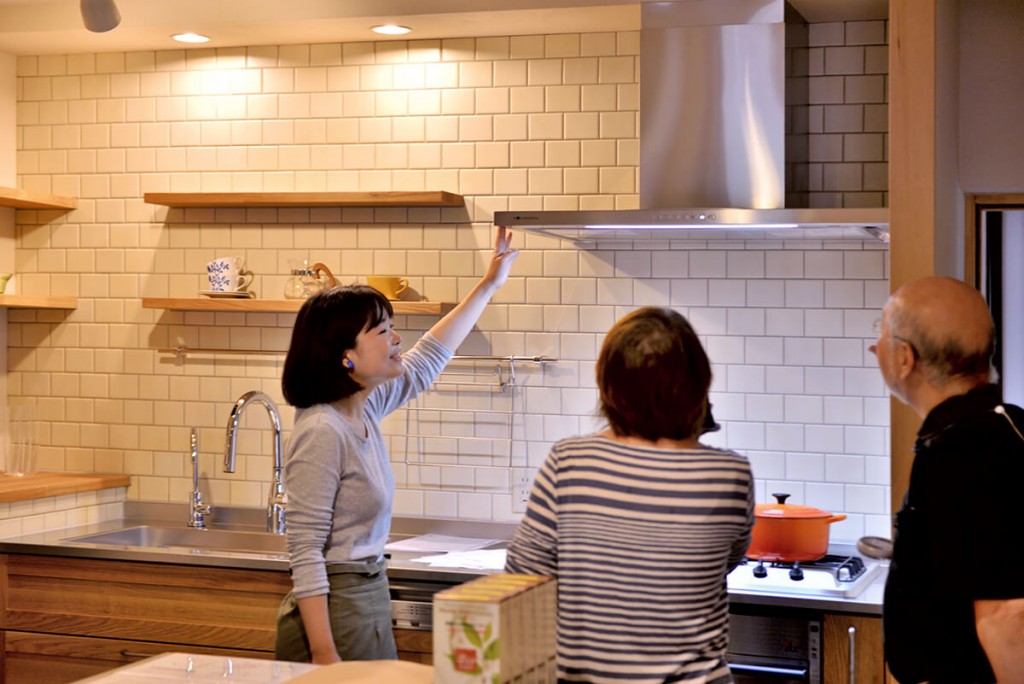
(641, 523)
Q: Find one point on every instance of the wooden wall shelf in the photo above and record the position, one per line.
(26, 199)
(274, 305)
(18, 301)
(43, 485)
(305, 199)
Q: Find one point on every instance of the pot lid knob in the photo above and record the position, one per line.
(781, 498)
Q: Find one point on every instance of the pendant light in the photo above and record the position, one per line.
(100, 16)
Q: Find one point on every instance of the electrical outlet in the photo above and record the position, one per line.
(521, 491)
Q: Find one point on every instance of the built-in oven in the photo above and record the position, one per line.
(774, 645)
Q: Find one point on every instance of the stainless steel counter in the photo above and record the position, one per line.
(401, 566)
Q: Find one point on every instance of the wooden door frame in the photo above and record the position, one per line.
(974, 205)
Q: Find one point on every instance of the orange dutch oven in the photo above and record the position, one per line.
(787, 532)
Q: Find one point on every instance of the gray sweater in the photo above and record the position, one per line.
(340, 484)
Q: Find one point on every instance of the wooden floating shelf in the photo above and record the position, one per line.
(43, 485)
(273, 305)
(305, 199)
(25, 199)
(16, 301)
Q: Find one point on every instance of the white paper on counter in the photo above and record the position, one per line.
(438, 543)
(486, 559)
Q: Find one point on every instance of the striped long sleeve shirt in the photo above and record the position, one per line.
(640, 540)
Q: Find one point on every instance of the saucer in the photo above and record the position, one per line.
(239, 294)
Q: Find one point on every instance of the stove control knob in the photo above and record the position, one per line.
(844, 574)
(760, 570)
(796, 574)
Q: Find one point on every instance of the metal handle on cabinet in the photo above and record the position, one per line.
(852, 631)
(125, 653)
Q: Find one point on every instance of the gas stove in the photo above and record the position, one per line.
(835, 575)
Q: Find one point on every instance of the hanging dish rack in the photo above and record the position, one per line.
(467, 417)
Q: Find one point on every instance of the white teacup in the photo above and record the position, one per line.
(226, 274)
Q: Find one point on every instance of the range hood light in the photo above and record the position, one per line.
(691, 226)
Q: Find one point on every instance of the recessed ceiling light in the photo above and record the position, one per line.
(391, 29)
(190, 38)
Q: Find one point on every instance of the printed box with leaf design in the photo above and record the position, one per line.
(496, 629)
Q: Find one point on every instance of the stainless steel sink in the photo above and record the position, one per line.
(150, 536)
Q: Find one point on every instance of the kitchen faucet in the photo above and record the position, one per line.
(278, 499)
(197, 510)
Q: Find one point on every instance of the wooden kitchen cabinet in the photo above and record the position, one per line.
(65, 618)
(58, 659)
(415, 645)
(868, 659)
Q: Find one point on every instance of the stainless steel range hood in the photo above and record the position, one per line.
(712, 137)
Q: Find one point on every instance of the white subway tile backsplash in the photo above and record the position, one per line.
(745, 321)
(865, 382)
(784, 322)
(803, 409)
(823, 322)
(844, 410)
(767, 464)
(828, 497)
(766, 293)
(766, 408)
(725, 350)
(823, 381)
(803, 351)
(783, 437)
(843, 352)
(745, 379)
(763, 351)
(745, 264)
(845, 469)
(876, 471)
(728, 292)
(802, 294)
(865, 499)
(866, 440)
(524, 122)
(804, 466)
(824, 438)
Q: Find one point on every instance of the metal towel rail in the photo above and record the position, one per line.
(468, 422)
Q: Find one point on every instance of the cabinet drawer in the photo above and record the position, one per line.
(30, 658)
(184, 605)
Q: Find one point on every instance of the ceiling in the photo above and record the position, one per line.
(38, 27)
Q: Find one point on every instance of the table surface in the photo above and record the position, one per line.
(171, 668)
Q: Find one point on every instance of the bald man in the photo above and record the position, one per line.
(954, 600)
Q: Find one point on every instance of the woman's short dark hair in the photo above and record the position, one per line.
(653, 376)
(326, 328)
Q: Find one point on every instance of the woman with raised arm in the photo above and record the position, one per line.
(344, 372)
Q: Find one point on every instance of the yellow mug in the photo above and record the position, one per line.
(389, 286)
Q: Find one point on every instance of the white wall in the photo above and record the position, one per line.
(8, 147)
(991, 96)
(511, 123)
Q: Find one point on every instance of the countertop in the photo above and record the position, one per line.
(401, 565)
(170, 668)
(185, 668)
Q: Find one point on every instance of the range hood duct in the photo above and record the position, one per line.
(712, 136)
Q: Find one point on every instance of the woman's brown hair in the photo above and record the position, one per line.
(653, 376)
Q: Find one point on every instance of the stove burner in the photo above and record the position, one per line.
(843, 568)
